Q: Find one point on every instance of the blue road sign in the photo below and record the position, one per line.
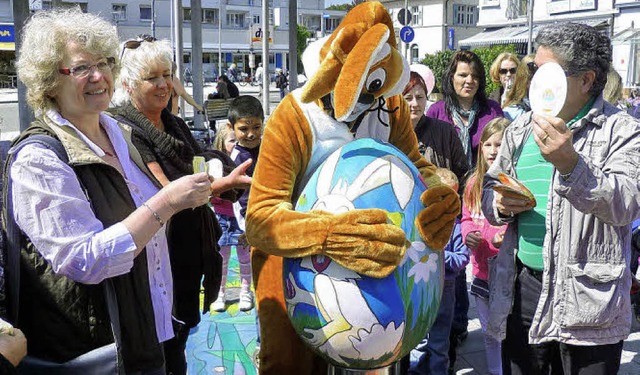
(407, 34)
(451, 38)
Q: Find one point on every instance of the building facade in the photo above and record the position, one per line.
(438, 24)
(227, 26)
(506, 22)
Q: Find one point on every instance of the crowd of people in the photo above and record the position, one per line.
(118, 235)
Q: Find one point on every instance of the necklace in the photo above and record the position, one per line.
(107, 152)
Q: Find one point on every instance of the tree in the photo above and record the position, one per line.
(438, 63)
(347, 6)
(301, 44)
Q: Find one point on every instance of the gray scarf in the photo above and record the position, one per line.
(465, 137)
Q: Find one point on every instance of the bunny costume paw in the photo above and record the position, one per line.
(435, 222)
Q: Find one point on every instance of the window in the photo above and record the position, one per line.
(119, 12)
(415, 16)
(465, 15)
(210, 16)
(311, 22)
(145, 13)
(208, 57)
(522, 8)
(82, 6)
(186, 14)
(330, 24)
(415, 57)
(235, 20)
(256, 19)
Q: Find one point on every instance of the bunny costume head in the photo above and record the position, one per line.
(357, 64)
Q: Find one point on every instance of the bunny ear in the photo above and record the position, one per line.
(325, 78)
(372, 176)
(370, 48)
(325, 177)
(402, 181)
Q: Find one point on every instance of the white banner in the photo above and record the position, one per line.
(256, 35)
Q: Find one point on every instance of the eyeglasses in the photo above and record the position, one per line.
(505, 71)
(84, 70)
(135, 43)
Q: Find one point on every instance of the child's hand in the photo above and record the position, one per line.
(239, 176)
(473, 240)
(497, 239)
(237, 179)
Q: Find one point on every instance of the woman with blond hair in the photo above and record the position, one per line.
(503, 71)
(517, 101)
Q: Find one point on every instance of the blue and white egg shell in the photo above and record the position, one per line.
(352, 320)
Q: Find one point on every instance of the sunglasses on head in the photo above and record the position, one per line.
(135, 43)
(505, 71)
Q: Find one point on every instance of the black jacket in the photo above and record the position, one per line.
(440, 145)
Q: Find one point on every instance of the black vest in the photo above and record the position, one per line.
(63, 319)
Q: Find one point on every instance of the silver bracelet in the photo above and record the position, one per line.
(155, 214)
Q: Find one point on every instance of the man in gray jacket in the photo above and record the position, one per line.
(559, 288)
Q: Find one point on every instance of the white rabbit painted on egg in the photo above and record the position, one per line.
(352, 330)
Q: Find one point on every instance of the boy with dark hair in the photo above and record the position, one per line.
(245, 120)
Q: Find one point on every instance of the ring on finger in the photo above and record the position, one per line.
(544, 138)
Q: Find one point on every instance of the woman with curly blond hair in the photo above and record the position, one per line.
(95, 292)
(503, 71)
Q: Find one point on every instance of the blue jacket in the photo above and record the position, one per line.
(456, 253)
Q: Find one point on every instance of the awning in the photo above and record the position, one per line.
(504, 35)
(517, 34)
(628, 36)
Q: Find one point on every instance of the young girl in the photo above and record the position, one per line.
(232, 235)
(482, 238)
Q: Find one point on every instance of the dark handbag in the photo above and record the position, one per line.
(100, 361)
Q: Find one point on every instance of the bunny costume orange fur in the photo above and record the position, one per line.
(354, 93)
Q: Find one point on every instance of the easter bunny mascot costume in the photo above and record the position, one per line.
(354, 93)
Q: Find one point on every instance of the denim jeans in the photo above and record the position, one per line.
(461, 311)
(492, 346)
(435, 347)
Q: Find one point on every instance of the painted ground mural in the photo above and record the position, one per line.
(225, 343)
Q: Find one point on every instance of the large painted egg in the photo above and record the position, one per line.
(349, 319)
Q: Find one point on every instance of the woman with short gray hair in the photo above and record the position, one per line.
(94, 298)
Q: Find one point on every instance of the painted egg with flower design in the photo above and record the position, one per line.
(349, 319)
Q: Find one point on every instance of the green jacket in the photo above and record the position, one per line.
(63, 319)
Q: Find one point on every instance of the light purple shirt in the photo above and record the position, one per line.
(52, 210)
